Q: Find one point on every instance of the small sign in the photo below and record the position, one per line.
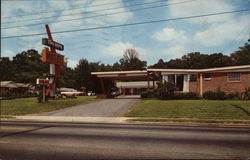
(50, 43)
(52, 58)
(42, 81)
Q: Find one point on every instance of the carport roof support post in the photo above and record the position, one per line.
(201, 84)
(102, 86)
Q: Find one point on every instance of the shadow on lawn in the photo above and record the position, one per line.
(243, 109)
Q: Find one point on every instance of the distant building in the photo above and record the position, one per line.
(13, 87)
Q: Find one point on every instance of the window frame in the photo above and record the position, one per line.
(209, 78)
(228, 79)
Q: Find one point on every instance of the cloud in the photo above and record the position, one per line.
(117, 49)
(220, 33)
(201, 7)
(176, 51)
(171, 35)
(57, 5)
(119, 18)
(7, 53)
(72, 63)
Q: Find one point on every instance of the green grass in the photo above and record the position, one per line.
(24, 106)
(196, 109)
(190, 120)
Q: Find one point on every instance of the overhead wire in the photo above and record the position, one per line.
(230, 45)
(99, 10)
(131, 10)
(131, 24)
(38, 13)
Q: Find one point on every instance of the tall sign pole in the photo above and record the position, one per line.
(54, 59)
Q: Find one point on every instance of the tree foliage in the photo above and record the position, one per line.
(27, 66)
(197, 60)
(131, 61)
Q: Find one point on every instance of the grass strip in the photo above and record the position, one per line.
(24, 106)
(193, 109)
(190, 120)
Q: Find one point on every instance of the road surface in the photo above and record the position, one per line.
(100, 108)
(33, 140)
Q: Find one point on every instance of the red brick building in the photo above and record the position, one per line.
(228, 79)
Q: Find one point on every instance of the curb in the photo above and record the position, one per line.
(117, 120)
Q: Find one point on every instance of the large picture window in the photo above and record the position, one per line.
(233, 77)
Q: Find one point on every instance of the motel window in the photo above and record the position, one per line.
(233, 77)
(207, 76)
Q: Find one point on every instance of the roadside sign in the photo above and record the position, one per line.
(52, 58)
(42, 81)
(50, 43)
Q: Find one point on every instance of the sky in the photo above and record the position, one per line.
(153, 41)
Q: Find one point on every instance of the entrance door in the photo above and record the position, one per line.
(179, 82)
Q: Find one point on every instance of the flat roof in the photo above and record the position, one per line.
(120, 72)
(202, 70)
(141, 73)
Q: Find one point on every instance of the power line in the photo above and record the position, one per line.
(225, 49)
(66, 9)
(114, 13)
(106, 9)
(130, 24)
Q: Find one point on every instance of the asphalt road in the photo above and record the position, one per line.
(100, 108)
(30, 140)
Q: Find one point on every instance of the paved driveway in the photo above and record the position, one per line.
(99, 108)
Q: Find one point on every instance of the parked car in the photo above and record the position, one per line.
(70, 92)
(90, 93)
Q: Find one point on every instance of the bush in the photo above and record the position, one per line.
(246, 94)
(149, 94)
(233, 96)
(166, 90)
(219, 95)
(13, 95)
(189, 95)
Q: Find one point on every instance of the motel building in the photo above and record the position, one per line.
(228, 79)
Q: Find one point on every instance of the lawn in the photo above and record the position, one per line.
(196, 109)
(24, 106)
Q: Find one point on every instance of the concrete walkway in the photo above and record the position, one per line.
(101, 108)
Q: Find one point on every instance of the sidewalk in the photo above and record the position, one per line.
(73, 119)
(132, 120)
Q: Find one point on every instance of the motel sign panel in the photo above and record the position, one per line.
(52, 58)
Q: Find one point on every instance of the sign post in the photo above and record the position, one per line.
(43, 82)
(55, 60)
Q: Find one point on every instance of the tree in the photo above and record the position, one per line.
(218, 60)
(28, 67)
(6, 69)
(67, 78)
(242, 56)
(130, 54)
(130, 61)
(159, 64)
(83, 76)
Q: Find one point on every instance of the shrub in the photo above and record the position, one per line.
(166, 90)
(233, 96)
(13, 95)
(189, 95)
(246, 94)
(219, 95)
(149, 94)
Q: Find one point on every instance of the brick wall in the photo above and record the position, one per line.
(220, 81)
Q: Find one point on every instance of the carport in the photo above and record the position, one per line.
(105, 79)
